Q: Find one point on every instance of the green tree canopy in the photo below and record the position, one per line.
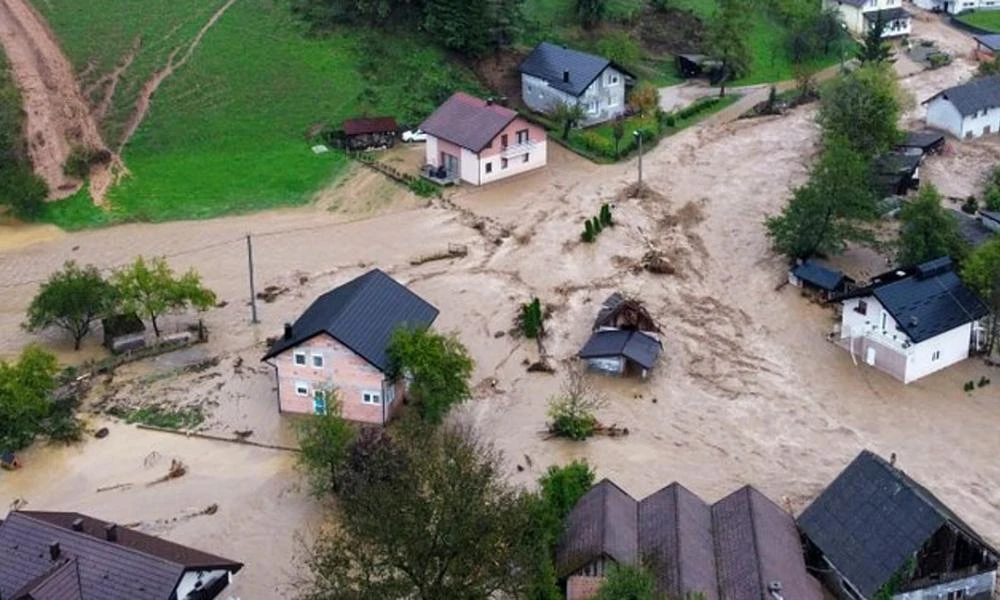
(627, 582)
(591, 12)
(325, 443)
(874, 48)
(567, 114)
(438, 367)
(981, 271)
(928, 230)
(729, 42)
(152, 289)
(24, 396)
(72, 299)
(862, 109)
(561, 487)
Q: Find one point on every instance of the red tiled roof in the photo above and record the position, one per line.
(369, 125)
(468, 121)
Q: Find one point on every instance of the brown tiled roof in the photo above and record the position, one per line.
(603, 523)
(369, 125)
(468, 121)
(134, 567)
(675, 542)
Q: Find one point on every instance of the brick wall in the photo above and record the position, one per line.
(582, 587)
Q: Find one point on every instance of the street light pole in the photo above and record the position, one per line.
(638, 135)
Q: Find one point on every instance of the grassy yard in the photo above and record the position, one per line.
(986, 19)
(228, 131)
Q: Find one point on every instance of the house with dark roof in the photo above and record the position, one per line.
(743, 547)
(967, 111)
(552, 75)
(876, 533)
(913, 321)
(859, 16)
(69, 556)
(818, 278)
(478, 141)
(624, 338)
(340, 344)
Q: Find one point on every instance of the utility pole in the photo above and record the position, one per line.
(638, 135)
(253, 293)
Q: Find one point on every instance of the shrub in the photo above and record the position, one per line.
(969, 386)
(697, 108)
(598, 144)
(563, 486)
(645, 98)
(605, 215)
(598, 228)
(22, 191)
(983, 381)
(532, 324)
(621, 48)
(970, 206)
(670, 120)
(992, 198)
(424, 188)
(588, 231)
(572, 411)
(78, 162)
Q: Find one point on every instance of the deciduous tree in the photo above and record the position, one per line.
(24, 396)
(72, 299)
(325, 443)
(562, 486)
(438, 368)
(591, 12)
(152, 289)
(729, 42)
(572, 411)
(928, 230)
(981, 271)
(627, 582)
(862, 109)
(566, 114)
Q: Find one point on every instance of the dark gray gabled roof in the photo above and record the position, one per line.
(819, 275)
(925, 139)
(971, 97)
(362, 314)
(468, 121)
(602, 523)
(872, 519)
(971, 228)
(135, 567)
(636, 346)
(991, 40)
(550, 62)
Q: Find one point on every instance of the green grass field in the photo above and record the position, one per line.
(986, 19)
(228, 131)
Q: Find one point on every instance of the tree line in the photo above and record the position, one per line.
(21, 191)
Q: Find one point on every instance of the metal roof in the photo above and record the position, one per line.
(467, 121)
(636, 346)
(991, 41)
(971, 97)
(819, 276)
(923, 139)
(551, 62)
(362, 314)
(971, 229)
(872, 519)
(369, 125)
(135, 566)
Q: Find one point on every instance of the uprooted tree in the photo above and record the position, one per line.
(71, 299)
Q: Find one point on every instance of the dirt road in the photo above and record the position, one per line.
(56, 117)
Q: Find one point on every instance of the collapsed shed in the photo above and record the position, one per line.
(927, 141)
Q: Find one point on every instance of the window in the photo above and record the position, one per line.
(968, 135)
(986, 130)
(300, 357)
(937, 356)
(614, 78)
(317, 361)
(301, 388)
(884, 318)
(503, 163)
(319, 403)
(522, 136)
(489, 167)
(861, 308)
(371, 398)
(956, 595)
(503, 141)
(527, 157)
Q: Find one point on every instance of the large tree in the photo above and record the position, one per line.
(729, 44)
(567, 115)
(829, 209)
(981, 271)
(152, 289)
(325, 443)
(474, 28)
(626, 582)
(561, 487)
(24, 396)
(436, 366)
(429, 516)
(862, 109)
(72, 299)
(874, 48)
(928, 230)
(591, 12)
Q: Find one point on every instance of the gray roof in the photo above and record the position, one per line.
(550, 62)
(362, 314)
(991, 215)
(971, 229)
(602, 523)
(923, 139)
(636, 346)
(819, 275)
(675, 540)
(608, 309)
(468, 121)
(872, 519)
(135, 567)
(887, 14)
(971, 97)
(991, 41)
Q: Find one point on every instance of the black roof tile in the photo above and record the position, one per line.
(549, 62)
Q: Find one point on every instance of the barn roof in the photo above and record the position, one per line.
(603, 523)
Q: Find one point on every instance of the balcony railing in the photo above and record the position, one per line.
(895, 340)
(517, 149)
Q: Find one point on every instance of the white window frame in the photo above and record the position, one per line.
(302, 385)
(371, 398)
(297, 355)
(322, 360)
(936, 355)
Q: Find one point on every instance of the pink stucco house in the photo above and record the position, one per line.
(477, 141)
(339, 343)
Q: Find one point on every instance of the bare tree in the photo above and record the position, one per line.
(572, 410)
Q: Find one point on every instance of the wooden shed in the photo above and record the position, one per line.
(370, 132)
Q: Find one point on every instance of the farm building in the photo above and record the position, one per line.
(861, 15)
(340, 342)
(67, 555)
(875, 527)
(926, 141)
(478, 142)
(968, 110)
(696, 65)
(553, 75)
(690, 547)
(624, 338)
(987, 46)
(912, 322)
(123, 332)
(897, 173)
(369, 132)
(818, 278)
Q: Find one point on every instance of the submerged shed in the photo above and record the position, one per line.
(621, 351)
(814, 276)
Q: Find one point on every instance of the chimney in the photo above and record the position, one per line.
(111, 532)
(78, 524)
(775, 590)
(892, 459)
(54, 550)
(565, 76)
(288, 331)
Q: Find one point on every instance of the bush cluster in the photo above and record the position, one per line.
(593, 226)
(697, 108)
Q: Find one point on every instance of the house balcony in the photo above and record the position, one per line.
(439, 175)
(896, 341)
(518, 149)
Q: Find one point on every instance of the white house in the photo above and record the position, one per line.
(956, 6)
(968, 110)
(912, 322)
(860, 15)
(552, 74)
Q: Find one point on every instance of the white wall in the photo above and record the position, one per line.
(537, 158)
(191, 578)
(957, 6)
(469, 166)
(942, 114)
(983, 584)
(953, 347)
(976, 124)
(431, 151)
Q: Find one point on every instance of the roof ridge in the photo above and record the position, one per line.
(753, 535)
(937, 279)
(677, 533)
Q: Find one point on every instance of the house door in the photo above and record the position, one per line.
(319, 403)
(450, 163)
(870, 356)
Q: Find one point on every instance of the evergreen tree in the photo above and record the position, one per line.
(874, 49)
